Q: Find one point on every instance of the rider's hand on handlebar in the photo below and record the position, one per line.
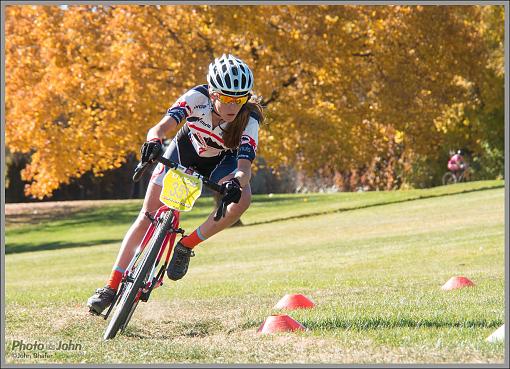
(232, 194)
(151, 149)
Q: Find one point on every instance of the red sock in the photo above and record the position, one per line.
(193, 239)
(115, 278)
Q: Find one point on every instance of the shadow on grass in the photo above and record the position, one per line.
(333, 323)
(380, 323)
(27, 247)
(376, 203)
(126, 214)
(111, 217)
(79, 222)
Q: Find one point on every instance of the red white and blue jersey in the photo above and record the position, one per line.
(195, 108)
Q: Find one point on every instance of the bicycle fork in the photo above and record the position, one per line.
(156, 281)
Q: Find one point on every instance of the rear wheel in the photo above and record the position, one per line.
(449, 178)
(132, 289)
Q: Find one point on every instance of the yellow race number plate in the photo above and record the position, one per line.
(180, 190)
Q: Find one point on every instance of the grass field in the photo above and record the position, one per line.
(372, 262)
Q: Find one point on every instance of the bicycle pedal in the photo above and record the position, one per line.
(93, 312)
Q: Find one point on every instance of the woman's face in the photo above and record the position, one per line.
(226, 109)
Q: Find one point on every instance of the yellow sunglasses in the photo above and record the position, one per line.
(239, 100)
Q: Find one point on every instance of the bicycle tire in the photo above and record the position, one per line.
(128, 301)
(449, 178)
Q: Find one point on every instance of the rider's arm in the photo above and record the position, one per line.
(247, 150)
(161, 129)
(243, 173)
(176, 114)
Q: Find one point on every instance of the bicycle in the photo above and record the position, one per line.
(181, 188)
(451, 178)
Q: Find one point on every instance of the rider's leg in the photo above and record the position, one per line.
(234, 211)
(210, 227)
(222, 172)
(103, 297)
(178, 265)
(135, 235)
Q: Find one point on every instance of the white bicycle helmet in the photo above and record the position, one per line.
(230, 76)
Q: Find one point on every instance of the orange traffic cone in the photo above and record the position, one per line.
(292, 302)
(279, 323)
(457, 282)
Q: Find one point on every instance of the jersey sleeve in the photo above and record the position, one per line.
(249, 139)
(181, 109)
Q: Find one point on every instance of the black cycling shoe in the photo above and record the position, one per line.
(178, 265)
(101, 299)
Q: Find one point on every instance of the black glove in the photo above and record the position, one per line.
(151, 149)
(231, 190)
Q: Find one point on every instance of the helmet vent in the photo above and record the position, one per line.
(227, 81)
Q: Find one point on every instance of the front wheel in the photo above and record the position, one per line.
(132, 289)
(449, 178)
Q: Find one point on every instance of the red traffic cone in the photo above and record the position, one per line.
(292, 302)
(457, 282)
(279, 323)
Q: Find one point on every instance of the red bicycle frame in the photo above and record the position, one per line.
(168, 242)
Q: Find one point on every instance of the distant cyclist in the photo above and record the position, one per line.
(457, 164)
(219, 138)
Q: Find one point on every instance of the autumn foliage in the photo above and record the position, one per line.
(379, 91)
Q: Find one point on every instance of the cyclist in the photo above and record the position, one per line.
(219, 138)
(456, 164)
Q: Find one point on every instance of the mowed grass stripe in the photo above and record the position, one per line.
(86, 228)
